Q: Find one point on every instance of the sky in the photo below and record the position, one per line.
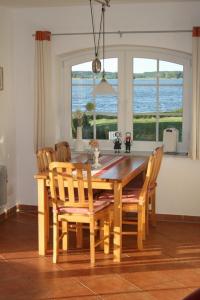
(141, 65)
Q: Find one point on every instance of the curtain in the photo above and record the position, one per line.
(42, 86)
(195, 149)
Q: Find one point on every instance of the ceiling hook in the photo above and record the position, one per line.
(120, 34)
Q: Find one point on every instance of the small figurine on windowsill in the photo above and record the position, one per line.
(128, 142)
(117, 142)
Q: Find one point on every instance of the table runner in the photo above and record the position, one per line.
(107, 161)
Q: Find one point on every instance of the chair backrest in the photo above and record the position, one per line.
(71, 185)
(44, 157)
(63, 152)
(158, 157)
(148, 178)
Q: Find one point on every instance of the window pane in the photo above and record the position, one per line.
(144, 108)
(144, 71)
(170, 73)
(106, 106)
(99, 122)
(82, 86)
(171, 100)
(144, 127)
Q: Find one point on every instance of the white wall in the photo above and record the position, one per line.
(7, 106)
(178, 186)
(77, 19)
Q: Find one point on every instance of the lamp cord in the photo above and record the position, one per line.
(103, 13)
(96, 46)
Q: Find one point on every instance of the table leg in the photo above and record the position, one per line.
(42, 228)
(117, 221)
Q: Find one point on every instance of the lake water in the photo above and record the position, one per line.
(145, 95)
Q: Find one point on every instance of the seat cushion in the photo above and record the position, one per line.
(98, 206)
(128, 196)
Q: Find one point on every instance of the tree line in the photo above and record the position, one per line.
(114, 75)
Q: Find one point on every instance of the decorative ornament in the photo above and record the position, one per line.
(128, 141)
(117, 142)
(96, 63)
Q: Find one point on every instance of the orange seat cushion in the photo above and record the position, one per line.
(128, 196)
(98, 206)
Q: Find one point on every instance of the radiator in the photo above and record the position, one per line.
(3, 185)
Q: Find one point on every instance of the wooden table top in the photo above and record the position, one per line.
(123, 170)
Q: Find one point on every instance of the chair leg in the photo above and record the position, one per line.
(107, 235)
(55, 238)
(153, 209)
(79, 235)
(47, 221)
(144, 220)
(140, 228)
(147, 215)
(101, 233)
(92, 242)
(65, 237)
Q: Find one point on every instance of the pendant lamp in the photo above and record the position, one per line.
(103, 88)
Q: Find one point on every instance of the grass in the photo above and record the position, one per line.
(144, 127)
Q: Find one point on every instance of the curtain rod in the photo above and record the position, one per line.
(123, 32)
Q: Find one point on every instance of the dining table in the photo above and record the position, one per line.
(114, 173)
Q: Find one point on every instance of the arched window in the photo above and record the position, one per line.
(153, 92)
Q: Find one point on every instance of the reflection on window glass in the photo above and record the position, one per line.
(98, 122)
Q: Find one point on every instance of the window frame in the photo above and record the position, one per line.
(125, 55)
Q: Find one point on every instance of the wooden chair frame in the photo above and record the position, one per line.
(65, 178)
(140, 206)
(44, 157)
(151, 205)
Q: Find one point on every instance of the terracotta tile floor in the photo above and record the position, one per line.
(167, 268)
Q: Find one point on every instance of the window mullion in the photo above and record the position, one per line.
(157, 102)
(94, 112)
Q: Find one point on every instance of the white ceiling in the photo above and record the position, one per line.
(43, 3)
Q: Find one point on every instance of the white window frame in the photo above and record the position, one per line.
(125, 55)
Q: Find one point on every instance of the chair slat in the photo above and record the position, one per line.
(63, 152)
(44, 157)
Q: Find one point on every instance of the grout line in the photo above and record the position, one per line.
(80, 282)
(131, 283)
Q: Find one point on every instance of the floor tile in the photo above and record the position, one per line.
(167, 268)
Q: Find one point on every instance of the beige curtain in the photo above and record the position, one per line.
(42, 86)
(195, 145)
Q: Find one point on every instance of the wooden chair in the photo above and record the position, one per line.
(44, 157)
(151, 201)
(66, 181)
(134, 201)
(63, 152)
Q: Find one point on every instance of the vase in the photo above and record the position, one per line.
(79, 145)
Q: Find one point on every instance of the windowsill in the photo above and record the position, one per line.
(136, 153)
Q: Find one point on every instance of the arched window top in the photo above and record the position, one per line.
(166, 93)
